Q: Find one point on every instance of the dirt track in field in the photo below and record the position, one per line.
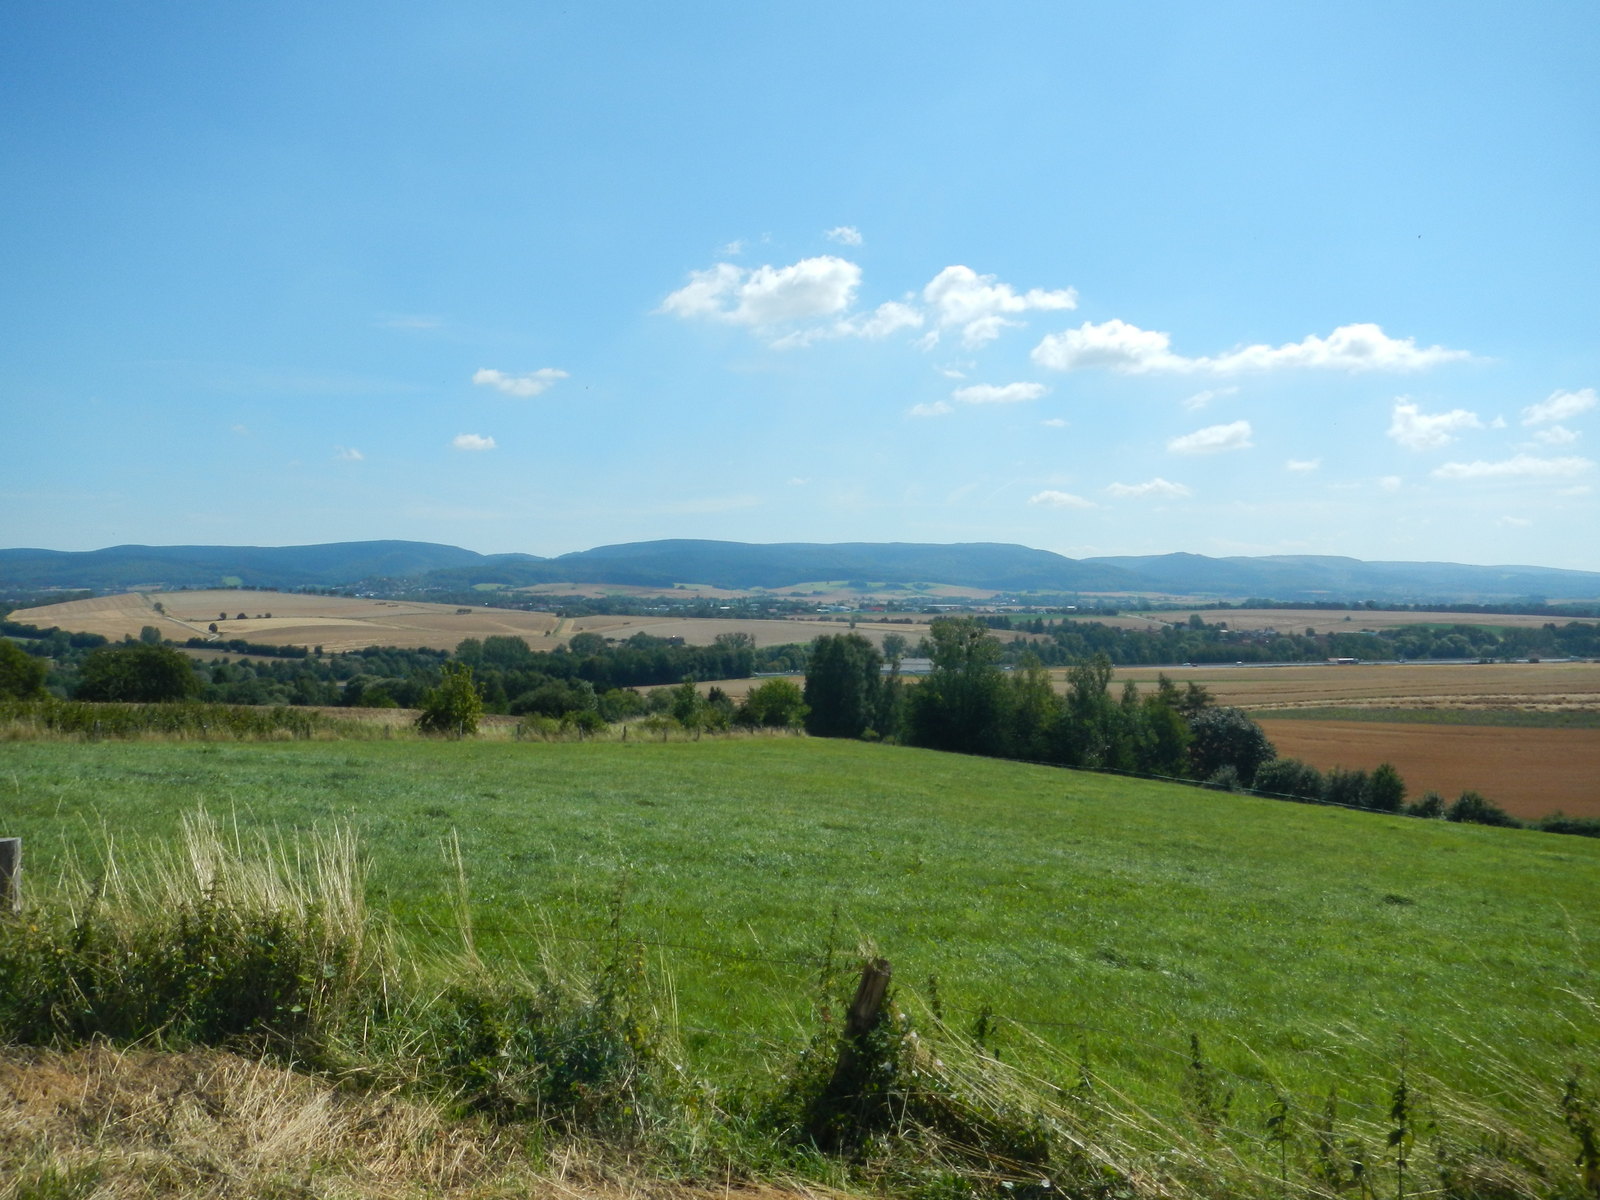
(1528, 772)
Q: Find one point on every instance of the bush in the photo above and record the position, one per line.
(1289, 777)
(1430, 806)
(1349, 788)
(1561, 823)
(454, 707)
(1474, 809)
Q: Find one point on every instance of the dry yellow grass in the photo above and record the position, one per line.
(141, 1123)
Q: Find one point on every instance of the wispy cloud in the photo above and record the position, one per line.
(1008, 393)
(1054, 422)
(1560, 406)
(1417, 430)
(1157, 489)
(937, 409)
(1116, 345)
(1201, 399)
(1054, 499)
(348, 454)
(1303, 464)
(845, 235)
(531, 384)
(472, 441)
(1556, 435)
(1214, 439)
(1521, 466)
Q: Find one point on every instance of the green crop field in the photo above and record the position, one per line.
(1074, 920)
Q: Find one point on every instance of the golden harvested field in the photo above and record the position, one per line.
(1528, 772)
(702, 631)
(335, 623)
(338, 623)
(1552, 685)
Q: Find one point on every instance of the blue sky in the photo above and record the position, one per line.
(1101, 279)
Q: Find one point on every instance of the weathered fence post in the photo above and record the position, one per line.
(10, 874)
(841, 1108)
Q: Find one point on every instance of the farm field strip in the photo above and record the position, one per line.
(1530, 773)
(1413, 685)
(1298, 620)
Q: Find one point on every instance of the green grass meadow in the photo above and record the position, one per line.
(1098, 922)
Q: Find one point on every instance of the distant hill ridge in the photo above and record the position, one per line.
(992, 566)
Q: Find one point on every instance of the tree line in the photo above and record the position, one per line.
(969, 703)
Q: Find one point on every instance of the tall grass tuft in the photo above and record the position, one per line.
(200, 943)
(78, 719)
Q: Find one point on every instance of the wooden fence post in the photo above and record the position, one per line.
(840, 1108)
(10, 874)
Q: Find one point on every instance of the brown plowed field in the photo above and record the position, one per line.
(1529, 772)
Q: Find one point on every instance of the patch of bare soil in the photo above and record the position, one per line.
(1528, 772)
(113, 1123)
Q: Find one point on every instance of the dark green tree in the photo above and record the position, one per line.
(965, 703)
(844, 677)
(1227, 737)
(137, 673)
(1386, 791)
(21, 674)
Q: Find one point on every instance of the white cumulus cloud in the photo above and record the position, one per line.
(1560, 406)
(1156, 488)
(1114, 345)
(1054, 499)
(989, 393)
(530, 384)
(845, 235)
(980, 306)
(472, 441)
(1119, 346)
(767, 296)
(1417, 430)
(937, 409)
(1214, 439)
(1521, 466)
(1302, 464)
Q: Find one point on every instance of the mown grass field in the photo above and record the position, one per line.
(1096, 920)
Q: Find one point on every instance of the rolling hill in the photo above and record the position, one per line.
(999, 567)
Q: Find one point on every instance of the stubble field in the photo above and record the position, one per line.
(340, 623)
